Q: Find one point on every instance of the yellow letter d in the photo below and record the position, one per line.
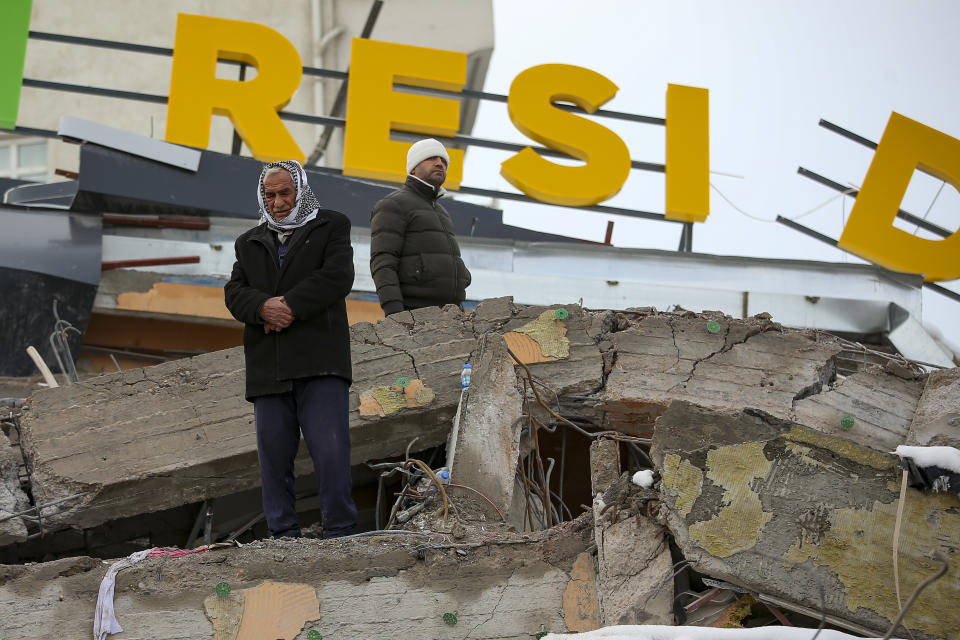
(905, 145)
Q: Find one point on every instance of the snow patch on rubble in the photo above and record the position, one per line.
(943, 457)
(643, 478)
(660, 632)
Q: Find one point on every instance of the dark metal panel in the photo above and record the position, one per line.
(224, 185)
(26, 316)
(9, 183)
(65, 245)
(111, 181)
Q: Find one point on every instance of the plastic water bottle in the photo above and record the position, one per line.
(465, 376)
(443, 474)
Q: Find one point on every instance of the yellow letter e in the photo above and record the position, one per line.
(374, 108)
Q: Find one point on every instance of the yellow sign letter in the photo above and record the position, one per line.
(196, 93)
(688, 153)
(905, 145)
(374, 108)
(606, 157)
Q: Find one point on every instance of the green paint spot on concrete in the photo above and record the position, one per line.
(314, 635)
(841, 446)
(14, 26)
(450, 619)
(738, 525)
(847, 421)
(561, 313)
(548, 334)
(683, 480)
(713, 326)
(223, 589)
(403, 382)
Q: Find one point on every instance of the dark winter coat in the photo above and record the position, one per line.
(316, 276)
(414, 256)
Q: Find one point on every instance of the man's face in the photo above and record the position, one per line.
(279, 194)
(432, 170)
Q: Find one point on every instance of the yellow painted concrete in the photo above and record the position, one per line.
(738, 525)
(549, 333)
(581, 608)
(182, 299)
(683, 480)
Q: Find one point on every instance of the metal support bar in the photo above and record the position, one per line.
(340, 75)
(197, 523)
(94, 91)
(512, 146)
(148, 262)
(829, 126)
(506, 195)
(953, 295)
(208, 524)
(103, 44)
(340, 100)
(328, 121)
(903, 215)
(870, 144)
(40, 133)
(686, 238)
(796, 226)
(159, 222)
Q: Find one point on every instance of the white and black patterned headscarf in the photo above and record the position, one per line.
(306, 206)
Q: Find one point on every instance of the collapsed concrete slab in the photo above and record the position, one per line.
(389, 586)
(873, 408)
(791, 512)
(717, 363)
(177, 433)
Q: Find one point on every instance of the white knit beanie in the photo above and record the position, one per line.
(426, 148)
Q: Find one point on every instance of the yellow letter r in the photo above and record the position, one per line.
(196, 93)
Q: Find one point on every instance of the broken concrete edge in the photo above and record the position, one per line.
(13, 500)
(747, 496)
(490, 584)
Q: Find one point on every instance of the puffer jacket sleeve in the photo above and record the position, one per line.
(331, 281)
(387, 229)
(243, 300)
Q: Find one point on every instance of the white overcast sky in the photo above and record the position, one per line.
(773, 70)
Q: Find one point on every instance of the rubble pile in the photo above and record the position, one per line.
(731, 476)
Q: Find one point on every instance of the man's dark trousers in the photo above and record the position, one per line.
(319, 406)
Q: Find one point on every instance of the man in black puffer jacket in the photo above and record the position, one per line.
(414, 256)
